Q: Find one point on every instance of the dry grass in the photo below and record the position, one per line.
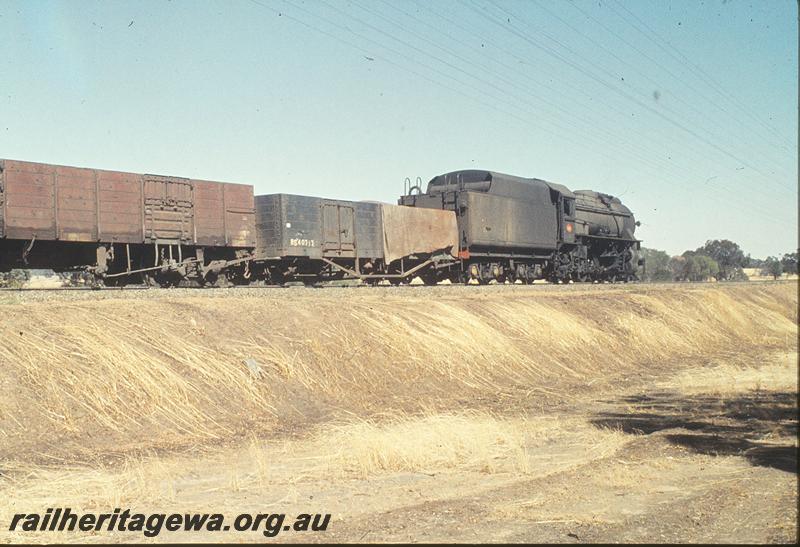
(731, 374)
(426, 444)
(430, 444)
(468, 441)
(118, 375)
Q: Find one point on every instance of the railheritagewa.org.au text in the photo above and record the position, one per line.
(63, 519)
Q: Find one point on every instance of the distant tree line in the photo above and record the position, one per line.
(720, 259)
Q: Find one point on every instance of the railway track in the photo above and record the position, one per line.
(533, 286)
(69, 289)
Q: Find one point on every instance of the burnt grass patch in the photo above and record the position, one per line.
(761, 425)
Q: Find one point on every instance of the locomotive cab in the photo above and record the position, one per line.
(566, 208)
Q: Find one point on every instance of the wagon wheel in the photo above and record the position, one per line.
(211, 280)
(149, 279)
(275, 276)
(458, 278)
(115, 281)
(429, 278)
(237, 278)
(164, 280)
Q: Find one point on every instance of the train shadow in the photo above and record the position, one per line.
(760, 426)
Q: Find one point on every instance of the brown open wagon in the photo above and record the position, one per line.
(118, 224)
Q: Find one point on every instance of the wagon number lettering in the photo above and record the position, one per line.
(295, 242)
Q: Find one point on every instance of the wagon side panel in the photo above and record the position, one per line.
(2, 200)
(168, 209)
(289, 225)
(119, 207)
(29, 195)
(418, 231)
(240, 223)
(76, 204)
(369, 230)
(209, 213)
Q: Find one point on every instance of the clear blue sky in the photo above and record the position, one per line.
(685, 109)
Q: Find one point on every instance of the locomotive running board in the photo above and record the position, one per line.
(373, 276)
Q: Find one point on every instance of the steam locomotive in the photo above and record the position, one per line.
(514, 228)
(469, 225)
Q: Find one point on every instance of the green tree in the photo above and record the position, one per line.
(789, 262)
(677, 267)
(700, 267)
(773, 267)
(656, 265)
(728, 255)
(751, 262)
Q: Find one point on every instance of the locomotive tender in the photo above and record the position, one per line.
(468, 225)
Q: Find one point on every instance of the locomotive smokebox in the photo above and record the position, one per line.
(604, 215)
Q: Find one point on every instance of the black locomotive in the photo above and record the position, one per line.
(513, 228)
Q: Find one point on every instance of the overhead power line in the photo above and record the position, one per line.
(658, 165)
(592, 75)
(361, 49)
(681, 58)
(678, 81)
